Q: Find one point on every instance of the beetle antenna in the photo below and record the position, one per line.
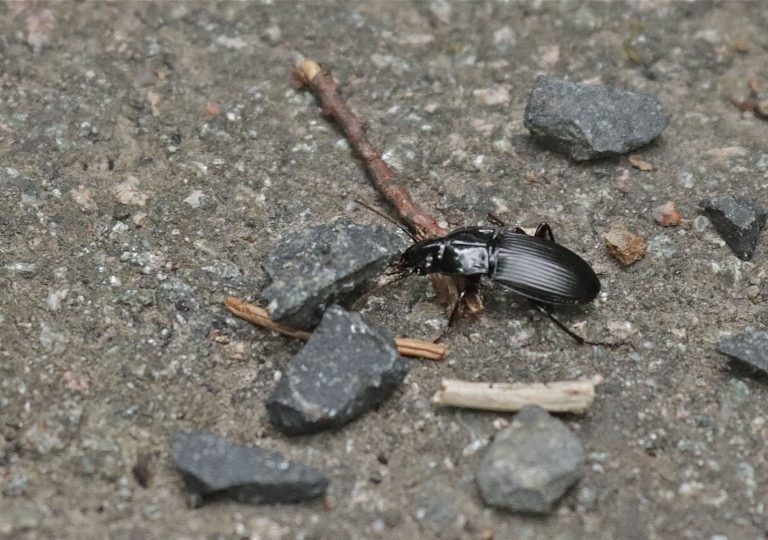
(580, 340)
(495, 220)
(402, 227)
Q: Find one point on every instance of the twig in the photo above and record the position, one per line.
(560, 396)
(259, 316)
(322, 85)
(320, 81)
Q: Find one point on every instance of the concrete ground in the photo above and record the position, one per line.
(153, 154)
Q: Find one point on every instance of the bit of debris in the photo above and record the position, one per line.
(216, 337)
(39, 27)
(639, 163)
(212, 110)
(324, 265)
(154, 99)
(586, 121)
(741, 45)
(530, 464)
(211, 464)
(345, 369)
(128, 192)
(666, 215)
(143, 470)
(757, 100)
(738, 221)
(558, 396)
(75, 382)
(492, 96)
(259, 316)
(625, 246)
(748, 347)
(726, 152)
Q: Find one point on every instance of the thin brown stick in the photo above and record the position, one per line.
(320, 81)
(385, 181)
(259, 316)
(559, 396)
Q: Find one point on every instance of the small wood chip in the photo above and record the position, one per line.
(666, 215)
(559, 396)
(639, 163)
(625, 246)
(259, 316)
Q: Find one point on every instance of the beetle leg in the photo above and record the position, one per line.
(518, 230)
(493, 219)
(471, 286)
(580, 340)
(544, 231)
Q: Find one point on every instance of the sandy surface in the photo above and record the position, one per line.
(158, 154)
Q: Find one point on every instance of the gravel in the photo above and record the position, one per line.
(211, 464)
(345, 369)
(738, 221)
(531, 463)
(324, 265)
(586, 121)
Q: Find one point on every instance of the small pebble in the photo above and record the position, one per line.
(345, 369)
(212, 464)
(666, 215)
(586, 121)
(748, 347)
(323, 265)
(626, 247)
(530, 464)
(738, 221)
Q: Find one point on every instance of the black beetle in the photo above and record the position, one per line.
(535, 266)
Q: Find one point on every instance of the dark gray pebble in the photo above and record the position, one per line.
(325, 265)
(345, 369)
(749, 347)
(586, 121)
(211, 464)
(531, 463)
(738, 221)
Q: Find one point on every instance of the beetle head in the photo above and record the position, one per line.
(421, 258)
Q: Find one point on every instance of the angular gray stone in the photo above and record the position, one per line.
(345, 369)
(586, 121)
(738, 221)
(211, 464)
(325, 265)
(749, 347)
(531, 463)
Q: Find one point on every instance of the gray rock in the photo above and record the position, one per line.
(324, 265)
(738, 221)
(213, 465)
(531, 463)
(345, 368)
(749, 347)
(586, 121)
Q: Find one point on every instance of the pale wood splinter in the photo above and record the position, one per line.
(560, 396)
(259, 316)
